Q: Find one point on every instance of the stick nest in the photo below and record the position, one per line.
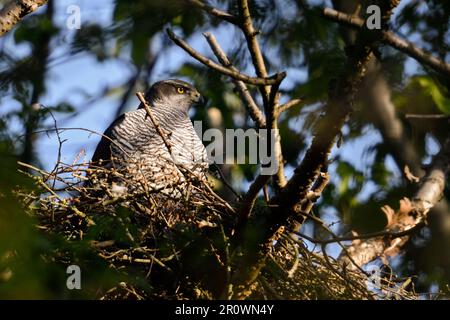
(161, 246)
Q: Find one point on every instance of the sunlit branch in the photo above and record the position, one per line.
(411, 215)
(15, 10)
(286, 106)
(252, 107)
(214, 11)
(233, 74)
(391, 39)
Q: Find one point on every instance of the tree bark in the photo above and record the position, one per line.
(15, 10)
(410, 214)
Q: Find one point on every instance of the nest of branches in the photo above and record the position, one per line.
(179, 247)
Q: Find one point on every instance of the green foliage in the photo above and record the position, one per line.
(295, 37)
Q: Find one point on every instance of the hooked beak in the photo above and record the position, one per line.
(199, 100)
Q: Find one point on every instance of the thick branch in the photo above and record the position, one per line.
(390, 38)
(338, 108)
(250, 35)
(15, 10)
(270, 95)
(260, 121)
(233, 74)
(416, 53)
(411, 214)
(381, 111)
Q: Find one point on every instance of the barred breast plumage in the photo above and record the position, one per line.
(133, 146)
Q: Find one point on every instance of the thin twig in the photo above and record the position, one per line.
(225, 181)
(13, 11)
(284, 107)
(214, 11)
(154, 121)
(390, 38)
(427, 116)
(252, 107)
(249, 198)
(81, 129)
(211, 64)
(386, 233)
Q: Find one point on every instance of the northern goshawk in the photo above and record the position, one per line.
(133, 147)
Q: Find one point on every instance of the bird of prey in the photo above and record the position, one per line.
(133, 146)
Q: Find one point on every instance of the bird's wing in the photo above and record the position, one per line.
(103, 150)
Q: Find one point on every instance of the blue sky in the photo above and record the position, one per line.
(82, 75)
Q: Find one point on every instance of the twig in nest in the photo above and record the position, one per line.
(154, 121)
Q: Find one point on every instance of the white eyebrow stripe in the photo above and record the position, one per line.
(178, 83)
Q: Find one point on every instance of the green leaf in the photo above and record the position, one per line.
(442, 102)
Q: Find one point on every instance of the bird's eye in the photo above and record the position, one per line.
(180, 90)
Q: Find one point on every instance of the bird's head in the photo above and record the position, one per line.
(174, 94)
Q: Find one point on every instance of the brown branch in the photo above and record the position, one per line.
(411, 214)
(15, 10)
(391, 39)
(252, 43)
(270, 95)
(260, 121)
(311, 199)
(253, 109)
(343, 18)
(426, 116)
(264, 229)
(277, 78)
(386, 234)
(286, 106)
(214, 11)
(248, 200)
(326, 132)
(316, 191)
(416, 53)
(154, 121)
(272, 124)
(381, 112)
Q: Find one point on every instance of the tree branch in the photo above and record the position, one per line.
(250, 196)
(308, 203)
(262, 230)
(246, 25)
(154, 121)
(214, 11)
(390, 38)
(381, 112)
(252, 107)
(252, 43)
(284, 107)
(233, 74)
(411, 214)
(386, 233)
(15, 10)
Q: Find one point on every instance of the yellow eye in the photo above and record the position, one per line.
(180, 90)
